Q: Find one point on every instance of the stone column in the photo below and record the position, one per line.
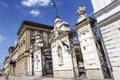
(37, 56)
(91, 54)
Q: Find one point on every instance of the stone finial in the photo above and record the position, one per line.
(57, 19)
(81, 11)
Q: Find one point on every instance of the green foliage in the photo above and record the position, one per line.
(79, 55)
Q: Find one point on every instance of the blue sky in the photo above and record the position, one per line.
(13, 12)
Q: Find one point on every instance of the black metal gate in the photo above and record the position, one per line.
(47, 66)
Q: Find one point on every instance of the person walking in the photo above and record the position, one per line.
(7, 75)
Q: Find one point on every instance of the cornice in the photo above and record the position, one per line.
(107, 8)
(109, 20)
(33, 24)
(60, 36)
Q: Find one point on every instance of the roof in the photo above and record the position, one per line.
(5, 59)
(33, 24)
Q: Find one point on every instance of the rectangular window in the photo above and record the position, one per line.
(49, 35)
(33, 32)
(32, 42)
(41, 34)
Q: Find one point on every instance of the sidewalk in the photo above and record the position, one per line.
(34, 78)
(40, 78)
(19, 78)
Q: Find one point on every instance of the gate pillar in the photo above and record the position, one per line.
(64, 62)
(90, 52)
(36, 57)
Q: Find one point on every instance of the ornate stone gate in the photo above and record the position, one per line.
(63, 55)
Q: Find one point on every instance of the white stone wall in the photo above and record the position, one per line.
(37, 63)
(6, 67)
(99, 4)
(90, 52)
(108, 22)
(62, 55)
(68, 69)
(67, 61)
(111, 38)
(88, 47)
(15, 56)
(105, 15)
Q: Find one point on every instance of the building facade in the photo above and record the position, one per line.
(27, 34)
(6, 67)
(19, 55)
(38, 53)
(107, 13)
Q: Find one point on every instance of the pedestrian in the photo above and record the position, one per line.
(7, 75)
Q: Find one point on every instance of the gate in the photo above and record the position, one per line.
(47, 66)
(78, 54)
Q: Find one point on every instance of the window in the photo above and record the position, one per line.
(49, 35)
(24, 40)
(41, 34)
(32, 42)
(32, 32)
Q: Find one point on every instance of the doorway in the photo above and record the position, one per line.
(80, 63)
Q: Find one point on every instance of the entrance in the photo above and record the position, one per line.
(47, 67)
(80, 63)
(79, 56)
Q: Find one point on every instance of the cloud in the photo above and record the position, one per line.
(4, 4)
(33, 3)
(35, 12)
(1, 38)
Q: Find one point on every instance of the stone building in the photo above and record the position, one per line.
(13, 54)
(6, 67)
(34, 52)
(27, 34)
(18, 62)
(43, 49)
(107, 13)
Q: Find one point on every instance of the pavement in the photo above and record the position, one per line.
(33, 78)
(19, 78)
(38, 78)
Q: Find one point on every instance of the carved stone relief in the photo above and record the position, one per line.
(60, 56)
